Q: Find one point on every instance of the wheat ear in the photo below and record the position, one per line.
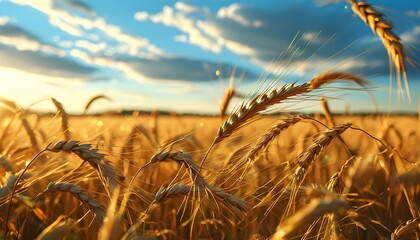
(97, 208)
(94, 99)
(261, 102)
(22, 115)
(384, 30)
(307, 159)
(180, 189)
(64, 118)
(224, 103)
(109, 175)
(327, 112)
(182, 159)
(263, 142)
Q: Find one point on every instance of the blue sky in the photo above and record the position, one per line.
(166, 54)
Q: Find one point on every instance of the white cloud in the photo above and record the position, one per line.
(91, 47)
(77, 26)
(240, 48)
(141, 16)
(181, 38)
(231, 12)
(24, 44)
(414, 13)
(412, 37)
(65, 44)
(93, 37)
(66, 27)
(4, 20)
(179, 20)
(44, 65)
(22, 40)
(186, 8)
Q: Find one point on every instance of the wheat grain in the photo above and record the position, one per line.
(182, 159)
(178, 189)
(97, 208)
(306, 160)
(384, 30)
(110, 176)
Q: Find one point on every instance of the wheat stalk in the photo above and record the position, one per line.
(384, 30)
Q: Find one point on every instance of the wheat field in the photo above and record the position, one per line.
(139, 177)
(241, 174)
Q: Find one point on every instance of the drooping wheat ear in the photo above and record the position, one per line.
(93, 99)
(261, 102)
(22, 115)
(176, 190)
(410, 226)
(307, 159)
(227, 198)
(269, 136)
(308, 214)
(64, 118)
(96, 207)
(180, 189)
(182, 159)
(327, 112)
(333, 182)
(110, 176)
(384, 29)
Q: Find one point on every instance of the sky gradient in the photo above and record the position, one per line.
(178, 56)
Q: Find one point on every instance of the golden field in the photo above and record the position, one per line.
(363, 184)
